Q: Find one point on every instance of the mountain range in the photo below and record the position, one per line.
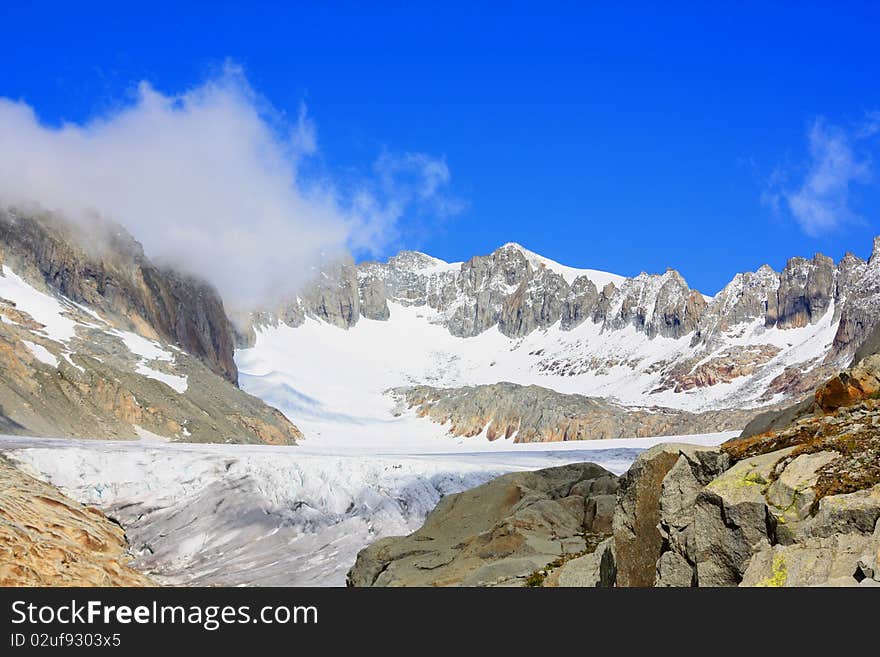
(104, 343)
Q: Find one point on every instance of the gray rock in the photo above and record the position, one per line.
(593, 570)
(674, 570)
(841, 514)
(828, 561)
(806, 290)
(732, 522)
(536, 303)
(580, 304)
(496, 534)
(638, 540)
(373, 298)
(536, 414)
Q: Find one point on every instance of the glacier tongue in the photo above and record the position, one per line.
(259, 515)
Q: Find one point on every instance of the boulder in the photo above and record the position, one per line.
(731, 520)
(497, 534)
(837, 560)
(791, 495)
(593, 570)
(679, 491)
(638, 540)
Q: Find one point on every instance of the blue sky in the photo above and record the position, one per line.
(711, 140)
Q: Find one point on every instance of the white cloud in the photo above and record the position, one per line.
(210, 181)
(837, 163)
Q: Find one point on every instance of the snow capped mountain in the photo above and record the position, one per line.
(647, 342)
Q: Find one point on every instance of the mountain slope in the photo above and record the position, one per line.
(105, 366)
(100, 266)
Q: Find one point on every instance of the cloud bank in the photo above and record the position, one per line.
(839, 160)
(211, 181)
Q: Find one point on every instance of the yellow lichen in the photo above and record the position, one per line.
(780, 573)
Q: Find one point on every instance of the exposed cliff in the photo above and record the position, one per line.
(536, 414)
(100, 364)
(104, 268)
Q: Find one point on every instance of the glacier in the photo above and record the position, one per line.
(246, 515)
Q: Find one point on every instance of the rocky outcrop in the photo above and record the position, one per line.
(805, 293)
(504, 533)
(858, 296)
(580, 304)
(47, 539)
(536, 414)
(656, 305)
(654, 515)
(734, 363)
(82, 376)
(373, 298)
(536, 303)
(104, 268)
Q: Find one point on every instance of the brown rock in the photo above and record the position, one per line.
(47, 539)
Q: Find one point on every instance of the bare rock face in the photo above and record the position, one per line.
(535, 414)
(859, 294)
(580, 304)
(47, 539)
(657, 305)
(483, 285)
(746, 298)
(736, 362)
(806, 290)
(503, 533)
(333, 296)
(373, 298)
(536, 303)
(102, 267)
(639, 536)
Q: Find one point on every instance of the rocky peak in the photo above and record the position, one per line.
(744, 299)
(656, 304)
(581, 302)
(414, 261)
(333, 295)
(805, 292)
(520, 291)
(874, 260)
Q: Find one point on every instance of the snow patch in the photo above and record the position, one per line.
(45, 309)
(41, 353)
(177, 383)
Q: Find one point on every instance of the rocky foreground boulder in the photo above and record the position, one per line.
(503, 533)
(47, 539)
